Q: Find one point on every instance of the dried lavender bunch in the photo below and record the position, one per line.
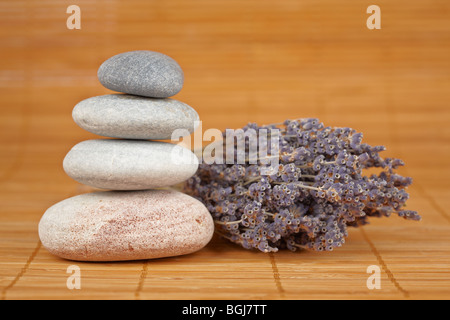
(318, 191)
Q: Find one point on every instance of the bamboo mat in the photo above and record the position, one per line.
(260, 61)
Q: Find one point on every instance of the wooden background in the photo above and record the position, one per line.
(254, 60)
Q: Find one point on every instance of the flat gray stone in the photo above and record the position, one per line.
(129, 164)
(144, 73)
(127, 225)
(133, 117)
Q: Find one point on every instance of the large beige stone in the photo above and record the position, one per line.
(129, 225)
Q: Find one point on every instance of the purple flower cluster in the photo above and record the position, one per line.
(318, 191)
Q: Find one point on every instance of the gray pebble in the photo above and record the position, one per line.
(133, 117)
(129, 164)
(144, 73)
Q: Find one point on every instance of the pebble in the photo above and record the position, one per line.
(144, 73)
(132, 117)
(129, 225)
(129, 164)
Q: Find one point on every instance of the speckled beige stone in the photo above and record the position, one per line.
(129, 225)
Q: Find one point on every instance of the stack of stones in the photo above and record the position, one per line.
(140, 216)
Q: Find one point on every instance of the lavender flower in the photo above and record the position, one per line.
(318, 191)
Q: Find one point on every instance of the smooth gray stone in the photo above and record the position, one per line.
(133, 117)
(129, 164)
(126, 225)
(144, 73)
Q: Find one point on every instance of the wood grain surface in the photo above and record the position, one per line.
(244, 61)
